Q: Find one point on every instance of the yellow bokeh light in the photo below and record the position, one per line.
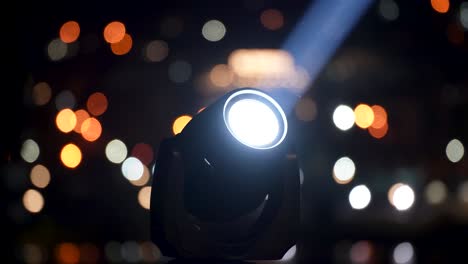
(66, 120)
(91, 129)
(364, 116)
(33, 201)
(144, 197)
(70, 155)
(40, 176)
(114, 32)
(441, 6)
(81, 116)
(180, 123)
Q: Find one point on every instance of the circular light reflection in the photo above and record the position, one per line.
(378, 133)
(455, 150)
(116, 151)
(132, 169)
(180, 71)
(81, 116)
(389, 10)
(123, 46)
(33, 201)
(40, 176)
(272, 19)
(150, 252)
(41, 93)
(32, 254)
(29, 150)
(65, 99)
(221, 75)
(361, 252)
(143, 180)
(68, 253)
(380, 116)
(91, 129)
(343, 117)
(180, 123)
(131, 251)
(441, 6)
(403, 253)
(114, 32)
(463, 192)
(144, 197)
(213, 30)
(66, 120)
(436, 192)
(464, 15)
(112, 250)
(69, 32)
(57, 50)
(359, 197)
(343, 170)
(70, 156)
(403, 197)
(143, 152)
(97, 104)
(364, 116)
(156, 50)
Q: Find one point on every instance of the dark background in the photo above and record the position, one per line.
(414, 66)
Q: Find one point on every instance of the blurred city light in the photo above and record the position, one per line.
(180, 71)
(32, 254)
(464, 14)
(462, 192)
(40, 176)
(436, 192)
(65, 99)
(89, 253)
(380, 116)
(66, 120)
(70, 155)
(213, 30)
(67, 253)
(389, 10)
(455, 150)
(114, 32)
(221, 75)
(143, 152)
(132, 169)
(361, 252)
(441, 6)
(123, 46)
(91, 129)
(113, 251)
(33, 201)
(343, 170)
(359, 197)
(81, 116)
(69, 32)
(143, 180)
(156, 50)
(272, 19)
(290, 254)
(401, 196)
(171, 27)
(144, 197)
(41, 93)
(29, 150)
(180, 123)
(403, 253)
(97, 104)
(57, 49)
(378, 132)
(364, 116)
(150, 252)
(306, 109)
(261, 63)
(116, 151)
(343, 117)
(131, 252)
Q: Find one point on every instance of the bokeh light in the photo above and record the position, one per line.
(66, 120)
(462, 192)
(41, 93)
(150, 252)
(32, 254)
(441, 6)
(455, 150)
(89, 253)
(33, 201)
(57, 49)
(380, 116)
(29, 150)
(144, 197)
(143, 152)
(344, 170)
(180, 71)
(272, 19)
(364, 116)
(113, 252)
(97, 104)
(156, 51)
(343, 117)
(114, 32)
(389, 10)
(402, 197)
(306, 109)
(464, 14)
(132, 169)
(180, 123)
(221, 75)
(69, 32)
(261, 63)
(91, 129)
(171, 27)
(116, 151)
(361, 252)
(436, 192)
(290, 254)
(359, 197)
(65, 99)
(40, 176)
(131, 252)
(403, 253)
(123, 46)
(67, 253)
(143, 180)
(70, 155)
(81, 116)
(378, 133)
(213, 30)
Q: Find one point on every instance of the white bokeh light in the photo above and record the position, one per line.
(30, 151)
(403, 253)
(388, 9)
(463, 192)
(343, 117)
(359, 197)
(116, 151)
(344, 170)
(403, 197)
(132, 169)
(213, 30)
(464, 15)
(455, 150)
(436, 192)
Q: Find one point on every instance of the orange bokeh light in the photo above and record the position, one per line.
(221, 75)
(378, 132)
(66, 120)
(91, 129)
(69, 32)
(122, 47)
(272, 19)
(97, 104)
(81, 116)
(68, 253)
(380, 116)
(180, 123)
(364, 116)
(70, 155)
(441, 6)
(114, 32)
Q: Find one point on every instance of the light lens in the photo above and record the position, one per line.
(255, 119)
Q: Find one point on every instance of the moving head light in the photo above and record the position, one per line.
(225, 187)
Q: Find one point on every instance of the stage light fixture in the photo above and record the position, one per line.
(225, 188)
